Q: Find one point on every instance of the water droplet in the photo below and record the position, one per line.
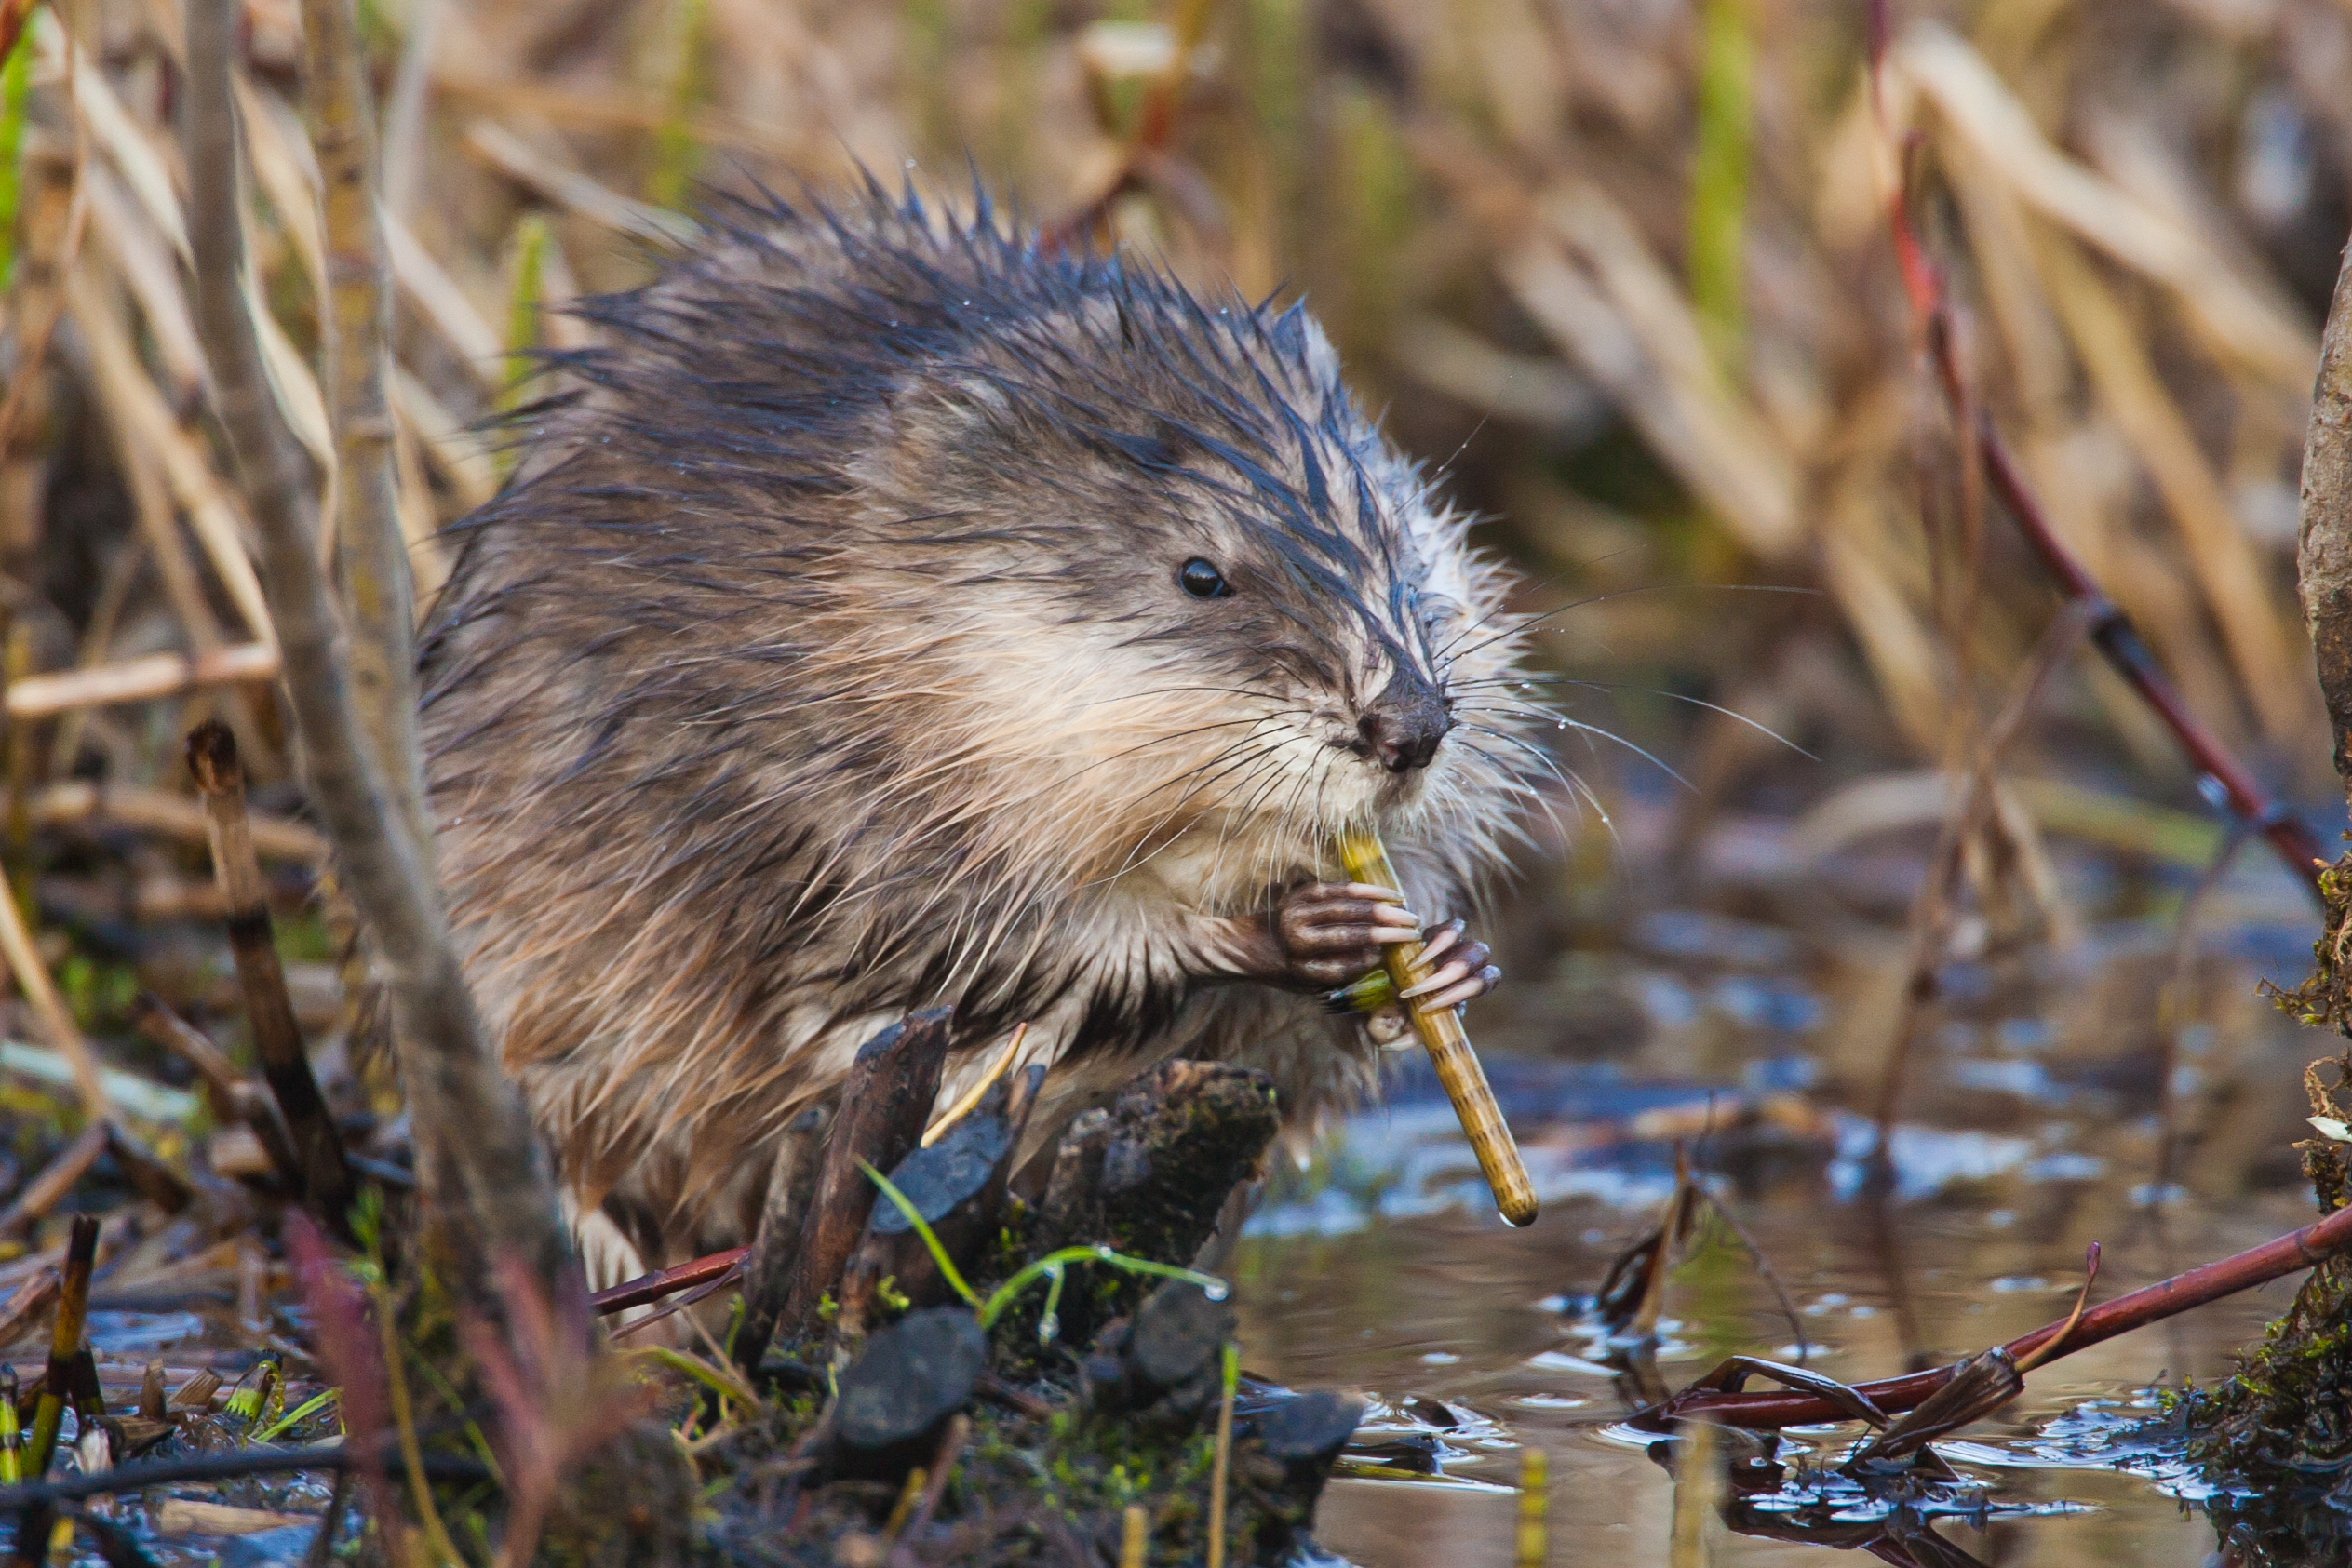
(1103, 1251)
(1214, 1292)
(1049, 1328)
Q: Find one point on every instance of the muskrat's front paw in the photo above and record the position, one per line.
(1461, 972)
(1328, 933)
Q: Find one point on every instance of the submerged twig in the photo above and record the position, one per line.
(2301, 1248)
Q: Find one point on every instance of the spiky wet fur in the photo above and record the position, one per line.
(830, 662)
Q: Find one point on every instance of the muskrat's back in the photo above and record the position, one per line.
(903, 616)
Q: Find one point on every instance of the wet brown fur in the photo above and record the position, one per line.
(830, 662)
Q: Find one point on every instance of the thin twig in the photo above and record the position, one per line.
(485, 1187)
(645, 1287)
(1931, 911)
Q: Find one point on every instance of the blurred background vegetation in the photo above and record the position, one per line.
(1622, 267)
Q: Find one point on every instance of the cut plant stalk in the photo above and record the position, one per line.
(65, 1350)
(1449, 1051)
(277, 1038)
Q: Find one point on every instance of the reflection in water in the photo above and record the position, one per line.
(2033, 1126)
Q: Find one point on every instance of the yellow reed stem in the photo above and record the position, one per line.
(1442, 1034)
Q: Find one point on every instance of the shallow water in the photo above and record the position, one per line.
(2031, 1129)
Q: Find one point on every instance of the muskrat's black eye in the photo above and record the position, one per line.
(1202, 581)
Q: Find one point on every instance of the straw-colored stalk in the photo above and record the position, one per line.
(372, 560)
(139, 680)
(32, 979)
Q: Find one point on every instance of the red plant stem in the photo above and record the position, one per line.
(2315, 1244)
(2133, 659)
(652, 1287)
(2111, 629)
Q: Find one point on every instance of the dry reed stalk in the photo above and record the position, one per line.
(443, 307)
(420, 519)
(151, 502)
(371, 557)
(1532, 1545)
(54, 242)
(1589, 283)
(1894, 642)
(576, 193)
(487, 1193)
(325, 1177)
(158, 810)
(1221, 1468)
(25, 1307)
(404, 109)
(64, 1034)
(2229, 572)
(142, 412)
(139, 680)
(55, 1179)
(446, 442)
(2234, 321)
(611, 108)
(287, 173)
(1697, 1493)
(149, 270)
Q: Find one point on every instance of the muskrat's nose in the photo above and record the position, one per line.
(1404, 723)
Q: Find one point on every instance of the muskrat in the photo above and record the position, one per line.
(902, 612)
